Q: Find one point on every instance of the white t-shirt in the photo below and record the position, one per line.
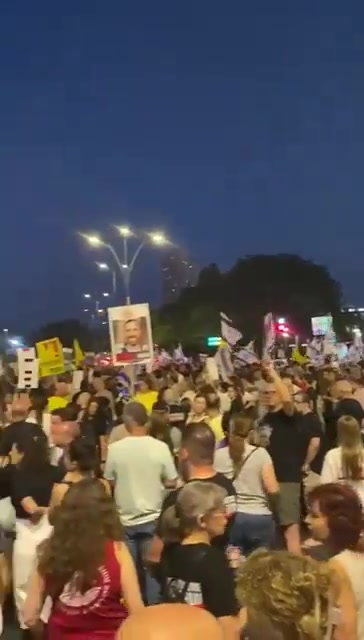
(332, 471)
(353, 564)
(138, 465)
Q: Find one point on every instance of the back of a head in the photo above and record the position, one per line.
(82, 454)
(135, 415)
(295, 600)
(199, 442)
(213, 403)
(349, 437)
(171, 622)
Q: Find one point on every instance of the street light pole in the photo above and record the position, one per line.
(126, 267)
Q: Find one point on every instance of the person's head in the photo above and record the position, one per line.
(61, 387)
(336, 516)
(19, 411)
(132, 332)
(197, 448)
(98, 382)
(199, 508)
(199, 405)
(343, 389)
(302, 403)
(30, 453)
(93, 407)
(269, 396)
(135, 416)
(159, 429)
(167, 395)
(145, 384)
(82, 457)
(171, 622)
(213, 406)
(288, 597)
(240, 428)
(62, 433)
(82, 399)
(85, 521)
(329, 375)
(349, 438)
(232, 391)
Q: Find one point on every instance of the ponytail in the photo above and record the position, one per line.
(241, 426)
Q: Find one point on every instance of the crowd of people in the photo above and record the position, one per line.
(185, 505)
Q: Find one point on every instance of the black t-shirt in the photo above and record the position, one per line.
(230, 504)
(311, 428)
(287, 444)
(201, 574)
(16, 432)
(32, 484)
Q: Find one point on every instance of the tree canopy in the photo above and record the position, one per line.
(284, 284)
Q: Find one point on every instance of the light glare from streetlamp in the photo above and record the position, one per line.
(106, 295)
(103, 266)
(87, 295)
(124, 231)
(158, 238)
(94, 240)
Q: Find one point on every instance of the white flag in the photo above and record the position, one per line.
(269, 335)
(247, 354)
(228, 332)
(224, 363)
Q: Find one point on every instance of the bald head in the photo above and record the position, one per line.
(343, 389)
(171, 622)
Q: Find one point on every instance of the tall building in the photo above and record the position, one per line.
(178, 272)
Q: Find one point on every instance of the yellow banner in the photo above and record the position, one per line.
(78, 353)
(51, 358)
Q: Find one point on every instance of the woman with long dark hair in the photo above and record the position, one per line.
(31, 485)
(86, 568)
(82, 462)
(252, 472)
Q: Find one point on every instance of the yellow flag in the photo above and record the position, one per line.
(78, 353)
(51, 357)
(296, 356)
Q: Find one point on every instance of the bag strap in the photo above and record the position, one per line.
(244, 462)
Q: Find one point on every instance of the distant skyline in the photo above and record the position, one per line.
(236, 128)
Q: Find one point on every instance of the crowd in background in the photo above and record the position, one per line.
(132, 507)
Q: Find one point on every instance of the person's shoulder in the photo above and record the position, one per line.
(170, 499)
(222, 481)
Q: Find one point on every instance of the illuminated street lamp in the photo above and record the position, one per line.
(126, 266)
(105, 267)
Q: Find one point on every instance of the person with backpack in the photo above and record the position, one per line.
(191, 569)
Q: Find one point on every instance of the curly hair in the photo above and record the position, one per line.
(85, 521)
(292, 593)
(344, 512)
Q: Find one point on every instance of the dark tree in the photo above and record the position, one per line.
(67, 331)
(285, 284)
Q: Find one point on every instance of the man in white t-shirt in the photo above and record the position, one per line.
(140, 468)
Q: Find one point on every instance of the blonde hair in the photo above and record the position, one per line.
(292, 594)
(195, 500)
(352, 457)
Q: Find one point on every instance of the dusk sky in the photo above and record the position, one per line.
(237, 127)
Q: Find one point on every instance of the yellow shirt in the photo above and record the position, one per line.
(146, 399)
(56, 402)
(216, 426)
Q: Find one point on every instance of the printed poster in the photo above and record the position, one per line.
(131, 334)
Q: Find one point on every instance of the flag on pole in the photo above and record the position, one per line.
(78, 353)
(269, 335)
(228, 332)
(224, 363)
(247, 354)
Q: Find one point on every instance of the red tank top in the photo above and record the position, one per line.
(94, 615)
